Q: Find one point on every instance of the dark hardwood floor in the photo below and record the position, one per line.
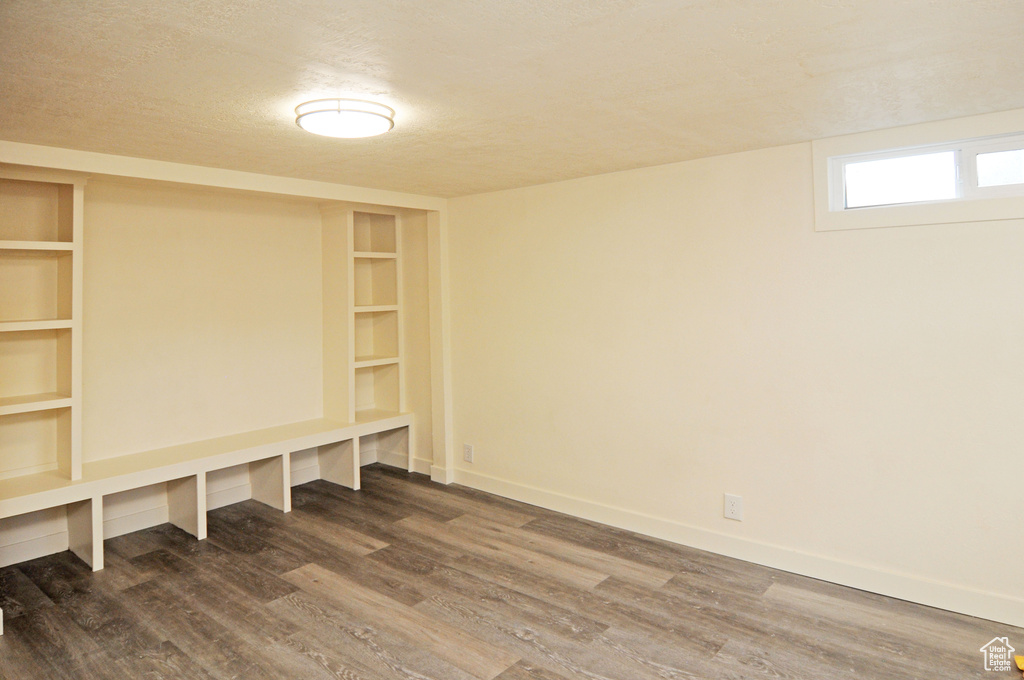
(407, 579)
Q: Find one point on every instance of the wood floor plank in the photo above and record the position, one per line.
(806, 634)
(499, 551)
(566, 656)
(601, 562)
(208, 642)
(119, 573)
(869, 630)
(312, 648)
(525, 670)
(100, 614)
(634, 547)
(370, 649)
(597, 604)
(397, 483)
(481, 660)
(246, 575)
(259, 637)
(166, 662)
(19, 657)
(501, 601)
(356, 569)
(60, 648)
(368, 504)
(244, 535)
(338, 536)
(464, 492)
(18, 594)
(569, 656)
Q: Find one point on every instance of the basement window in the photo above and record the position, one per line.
(898, 179)
(959, 171)
(867, 180)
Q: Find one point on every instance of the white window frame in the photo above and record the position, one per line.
(983, 134)
(994, 145)
(837, 173)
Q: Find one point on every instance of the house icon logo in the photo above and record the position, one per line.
(998, 655)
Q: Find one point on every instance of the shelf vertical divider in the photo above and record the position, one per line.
(338, 338)
(339, 463)
(271, 482)
(401, 308)
(77, 201)
(350, 317)
(186, 504)
(85, 531)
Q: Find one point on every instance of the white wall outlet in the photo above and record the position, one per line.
(467, 453)
(734, 507)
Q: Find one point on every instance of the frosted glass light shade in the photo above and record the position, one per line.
(348, 118)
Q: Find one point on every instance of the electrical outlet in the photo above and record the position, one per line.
(467, 453)
(734, 507)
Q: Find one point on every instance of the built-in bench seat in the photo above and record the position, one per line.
(183, 469)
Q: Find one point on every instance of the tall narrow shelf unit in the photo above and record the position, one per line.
(40, 324)
(365, 382)
(377, 378)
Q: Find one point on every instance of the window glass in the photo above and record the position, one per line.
(904, 179)
(1000, 168)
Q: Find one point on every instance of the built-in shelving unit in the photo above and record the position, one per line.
(376, 292)
(54, 497)
(364, 380)
(42, 473)
(40, 324)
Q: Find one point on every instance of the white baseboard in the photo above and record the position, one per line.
(304, 475)
(228, 496)
(400, 460)
(986, 605)
(421, 466)
(367, 457)
(136, 521)
(442, 475)
(31, 549)
(392, 459)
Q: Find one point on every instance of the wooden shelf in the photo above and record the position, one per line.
(29, 403)
(367, 255)
(42, 246)
(41, 325)
(367, 309)
(370, 361)
(374, 415)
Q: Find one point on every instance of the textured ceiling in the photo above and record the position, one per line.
(492, 94)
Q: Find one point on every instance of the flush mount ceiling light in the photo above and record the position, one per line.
(348, 118)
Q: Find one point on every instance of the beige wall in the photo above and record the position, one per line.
(202, 315)
(629, 347)
(416, 329)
